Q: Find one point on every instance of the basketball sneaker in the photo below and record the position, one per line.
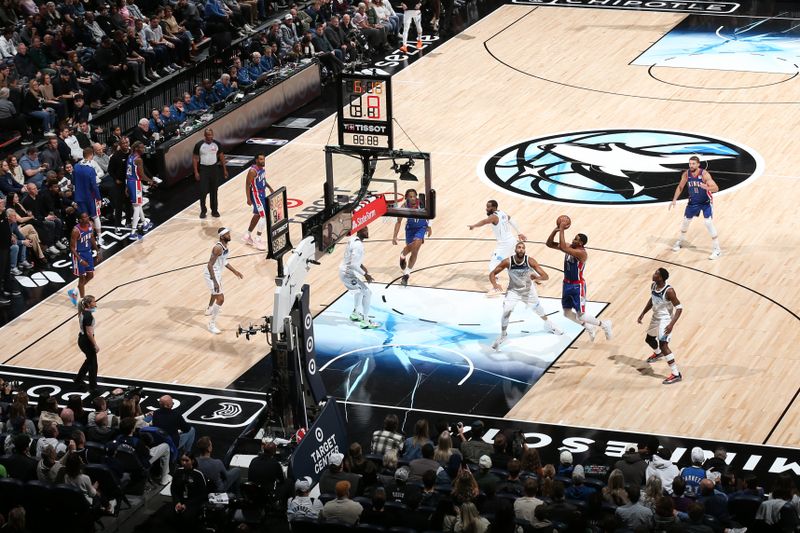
(355, 317)
(655, 357)
(369, 324)
(213, 328)
(553, 329)
(404, 281)
(404, 49)
(606, 325)
(591, 330)
(672, 378)
(419, 44)
(715, 254)
(260, 245)
(147, 226)
(248, 240)
(134, 236)
(491, 293)
(498, 341)
(73, 296)
(677, 246)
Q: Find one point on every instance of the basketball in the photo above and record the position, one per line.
(563, 218)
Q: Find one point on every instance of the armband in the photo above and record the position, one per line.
(679, 306)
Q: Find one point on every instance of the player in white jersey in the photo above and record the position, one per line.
(506, 239)
(349, 270)
(213, 276)
(522, 271)
(667, 310)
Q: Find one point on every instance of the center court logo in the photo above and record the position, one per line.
(615, 167)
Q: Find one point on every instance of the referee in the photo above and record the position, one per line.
(208, 161)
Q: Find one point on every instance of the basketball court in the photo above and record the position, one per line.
(549, 110)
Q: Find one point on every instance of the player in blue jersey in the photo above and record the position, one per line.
(82, 243)
(416, 231)
(87, 193)
(255, 190)
(573, 295)
(701, 187)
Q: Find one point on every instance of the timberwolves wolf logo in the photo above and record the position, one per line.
(615, 167)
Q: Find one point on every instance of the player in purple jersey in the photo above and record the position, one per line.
(82, 243)
(255, 190)
(700, 186)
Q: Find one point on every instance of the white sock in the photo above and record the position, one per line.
(356, 300)
(672, 366)
(657, 351)
(214, 312)
(407, 271)
(684, 228)
(588, 319)
(137, 212)
(365, 298)
(98, 228)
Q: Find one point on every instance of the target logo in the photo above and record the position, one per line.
(291, 203)
(309, 321)
(312, 367)
(310, 345)
(319, 435)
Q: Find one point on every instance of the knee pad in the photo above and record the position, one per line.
(651, 341)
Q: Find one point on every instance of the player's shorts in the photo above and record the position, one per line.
(77, 268)
(415, 233)
(573, 296)
(504, 250)
(258, 201)
(87, 206)
(531, 299)
(353, 283)
(693, 210)
(210, 283)
(135, 191)
(657, 327)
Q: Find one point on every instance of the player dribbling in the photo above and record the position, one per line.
(416, 231)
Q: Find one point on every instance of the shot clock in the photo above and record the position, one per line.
(365, 112)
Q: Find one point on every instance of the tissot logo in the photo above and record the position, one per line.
(700, 6)
(615, 167)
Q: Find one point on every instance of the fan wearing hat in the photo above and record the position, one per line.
(565, 464)
(334, 474)
(302, 506)
(213, 277)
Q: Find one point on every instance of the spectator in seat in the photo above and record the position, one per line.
(166, 115)
(486, 480)
(412, 446)
(8, 49)
(173, 423)
(288, 34)
(475, 447)
(512, 484)
(715, 502)
(157, 56)
(337, 37)
(653, 490)
(39, 58)
(189, 491)
(664, 518)
(633, 514)
(19, 464)
(188, 13)
(223, 87)
(633, 467)
(28, 233)
(181, 41)
(429, 497)
(661, 466)
(695, 473)
(10, 119)
(177, 111)
(8, 184)
(68, 425)
(357, 464)
(444, 449)
(113, 67)
(147, 453)
(68, 146)
(50, 157)
(579, 490)
(376, 36)
(499, 453)
(718, 462)
(218, 477)
(525, 507)
(399, 490)
(614, 492)
(23, 63)
(101, 431)
(34, 106)
(141, 133)
(265, 469)
(49, 438)
(342, 509)
(679, 501)
(335, 473)
(325, 50)
(48, 225)
(387, 438)
(303, 506)
(155, 36)
(268, 61)
(465, 488)
(466, 520)
(49, 466)
(422, 464)
(565, 464)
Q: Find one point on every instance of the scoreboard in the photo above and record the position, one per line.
(365, 112)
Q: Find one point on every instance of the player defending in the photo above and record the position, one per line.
(213, 275)
(134, 175)
(667, 310)
(573, 295)
(82, 242)
(522, 270)
(349, 269)
(255, 190)
(506, 239)
(416, 231)
(410, 15)
(701, 186)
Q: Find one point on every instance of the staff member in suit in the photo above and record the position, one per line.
(208, 161)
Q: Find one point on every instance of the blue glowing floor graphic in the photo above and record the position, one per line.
(735, 44)
(433, 350)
